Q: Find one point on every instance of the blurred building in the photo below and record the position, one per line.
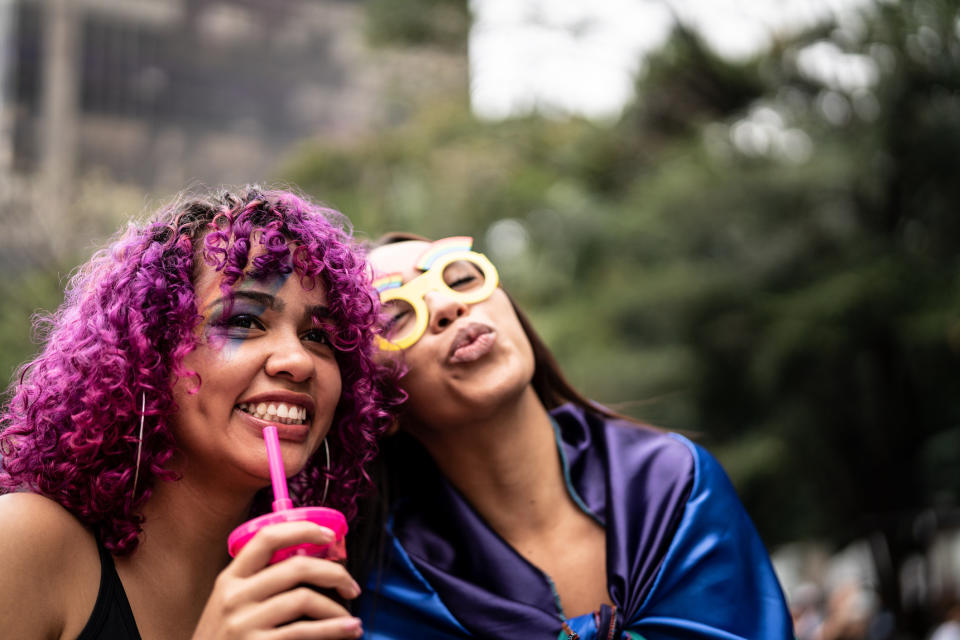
(155, 95)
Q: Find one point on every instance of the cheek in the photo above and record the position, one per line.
(509, 323)
(418, 371)
(395, 362)
(415, 383)
(212, 369)
(523, 344)
(330, 384)
(208, 355)
(186, 385)
(216, 349)
(333, 388)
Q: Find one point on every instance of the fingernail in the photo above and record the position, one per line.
(353, 624)
(328, 534)
(356, 589)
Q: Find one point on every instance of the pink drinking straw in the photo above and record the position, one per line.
(284, 511)
(278, 477)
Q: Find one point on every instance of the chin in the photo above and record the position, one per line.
(468, 405)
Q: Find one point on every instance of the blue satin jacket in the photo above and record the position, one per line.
(683, 559)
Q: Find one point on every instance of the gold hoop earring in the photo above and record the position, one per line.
(136, 472)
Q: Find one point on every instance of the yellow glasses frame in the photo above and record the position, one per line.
(413, 292)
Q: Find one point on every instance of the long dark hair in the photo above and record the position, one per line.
(397, 465)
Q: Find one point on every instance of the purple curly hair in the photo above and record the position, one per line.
(70, 428)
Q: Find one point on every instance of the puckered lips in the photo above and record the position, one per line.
(471, 342)
(292, 413)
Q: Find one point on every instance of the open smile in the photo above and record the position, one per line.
(276, 412)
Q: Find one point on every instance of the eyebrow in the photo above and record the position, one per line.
(319, 311)
(265, 299)
(272, 302)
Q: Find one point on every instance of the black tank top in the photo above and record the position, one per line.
(111, 618)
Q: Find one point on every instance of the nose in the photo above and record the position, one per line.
(443, 310)
(289, 358)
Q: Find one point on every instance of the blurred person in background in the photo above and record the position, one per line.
(517, 508)
(851, 611)
(806, 607)
(949, 628)
(132, 443)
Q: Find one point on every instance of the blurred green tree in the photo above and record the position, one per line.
(437, 23)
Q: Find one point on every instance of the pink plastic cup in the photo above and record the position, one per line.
(283, 511)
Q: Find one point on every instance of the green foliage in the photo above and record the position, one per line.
(754, 254)
(685, 85)
(25, 295)
(439, 23)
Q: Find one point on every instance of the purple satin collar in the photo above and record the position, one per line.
(633, 479)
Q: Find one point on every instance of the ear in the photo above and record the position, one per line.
(393, 428)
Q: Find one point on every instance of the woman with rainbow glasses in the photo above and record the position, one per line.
(517, 508)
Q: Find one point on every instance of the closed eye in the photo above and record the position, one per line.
(461, 275)
(462, 282)
(395, 315)
(397, 319)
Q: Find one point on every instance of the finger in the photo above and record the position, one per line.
(330, 629)
(257, 553)
(297, 570)
(289, 606)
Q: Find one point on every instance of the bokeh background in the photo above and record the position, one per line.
(734, 219)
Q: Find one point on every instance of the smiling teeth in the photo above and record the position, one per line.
(275, 412)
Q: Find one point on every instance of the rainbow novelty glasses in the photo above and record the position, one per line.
(449, 267)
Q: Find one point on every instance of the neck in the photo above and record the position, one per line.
(184, 542)
(506, 465)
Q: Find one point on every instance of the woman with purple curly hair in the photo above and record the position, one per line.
(131, 444)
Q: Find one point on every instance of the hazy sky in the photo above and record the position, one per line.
(577, 56)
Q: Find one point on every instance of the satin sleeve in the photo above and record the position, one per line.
(399, 604)
(716, 581)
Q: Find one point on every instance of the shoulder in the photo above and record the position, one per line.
(709, 493)
(715, 551)
(626, 471)
(41, 521)
(25, 503)
(49, 563)
(631, 447)
(707, 474)
(399, 602)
